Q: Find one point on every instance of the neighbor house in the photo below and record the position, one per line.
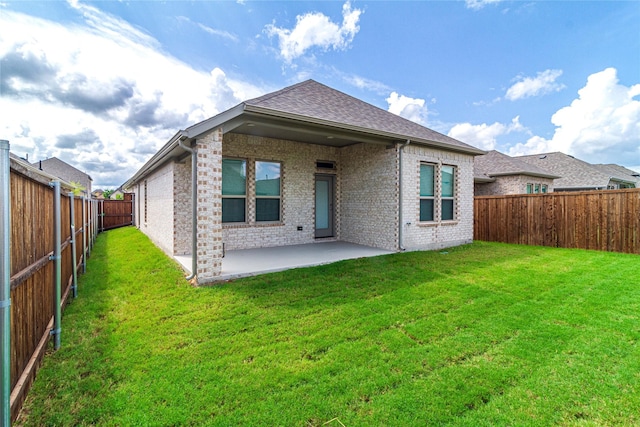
(66, 172)
(497, 173)
(302, 165)
(578, 175)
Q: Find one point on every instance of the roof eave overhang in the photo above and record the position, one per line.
(242, 113)
(532, 174)
(373, 134)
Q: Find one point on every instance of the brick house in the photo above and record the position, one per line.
(66, 172)
(497, 173)
(301, 165)
(578, 175)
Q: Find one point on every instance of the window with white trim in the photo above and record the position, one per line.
(448, 190)
(234, 190)
(268, 191)
(427, 192)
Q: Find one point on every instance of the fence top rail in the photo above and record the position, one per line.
(560, 193)
(22, 167)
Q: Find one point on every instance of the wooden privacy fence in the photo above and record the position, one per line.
(601, 220)
(116, 213)
(41, 271)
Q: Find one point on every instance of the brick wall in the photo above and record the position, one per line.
(511, 184)
(209, 154)
(437, 234)
(298, 168)
(159, 200)
(182, 207)
(369, 196)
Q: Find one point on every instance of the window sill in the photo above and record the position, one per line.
(438, 223)
(252, 224)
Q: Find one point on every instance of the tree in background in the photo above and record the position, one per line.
(107, 194)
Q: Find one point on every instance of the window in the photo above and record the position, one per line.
(544, 188)
(427, 199)
(536, 189)
(448, 192)
(267, 191)
(234, 190)
(529, 188)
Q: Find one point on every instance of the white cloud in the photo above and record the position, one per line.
(479, 4)
(602, 125)
(413, 109)
(59, 81)
(315, 29)
(543, 83)
(485, 136)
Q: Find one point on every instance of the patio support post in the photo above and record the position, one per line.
(57, 258)
(74, 265)
(400, 208)
(209, 219)
(194, 209)
(5, 283)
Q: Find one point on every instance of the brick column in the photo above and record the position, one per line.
(209, 207)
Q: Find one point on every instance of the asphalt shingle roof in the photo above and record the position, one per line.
(313, 100)
(495, 163)
(575, 173)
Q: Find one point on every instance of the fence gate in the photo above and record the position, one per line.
(116, 213)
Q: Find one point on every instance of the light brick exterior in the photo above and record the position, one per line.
(209, 149)
(437, 234)
(511, 184)
(366, 198)
(159, 201)
(182, 207)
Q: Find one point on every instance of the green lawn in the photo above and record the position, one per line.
(483, 334)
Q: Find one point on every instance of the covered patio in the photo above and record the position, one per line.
(251, 262)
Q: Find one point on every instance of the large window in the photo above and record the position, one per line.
(448, 192)
(427, 192)
(267, 191)
(234, 190)
(437, 198)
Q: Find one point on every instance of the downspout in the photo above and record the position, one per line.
(400, 210)
(57, 258)
(194, 207)
(5, 284)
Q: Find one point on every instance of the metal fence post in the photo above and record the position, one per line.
(74, 265)
(84, 234)
(57, 258)
(5, 284)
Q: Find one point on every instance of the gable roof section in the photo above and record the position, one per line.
(575, 173)
(494, 163)
(62, 169)
(619, 173)
(313, 113)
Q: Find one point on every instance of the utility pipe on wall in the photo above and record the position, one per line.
(72, 210)
(57, 258)
(194, 208)
(5, 284)
(400, 209)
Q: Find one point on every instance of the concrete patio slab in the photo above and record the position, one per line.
(251, 262)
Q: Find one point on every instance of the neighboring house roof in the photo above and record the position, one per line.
(494, 163)
(575, 173)
(64, 170)
(619, 173)
(313, 113)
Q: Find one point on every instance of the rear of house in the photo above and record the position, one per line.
(303, 165)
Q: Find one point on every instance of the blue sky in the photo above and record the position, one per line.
(103, 85)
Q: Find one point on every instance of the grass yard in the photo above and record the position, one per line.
(484, 334)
